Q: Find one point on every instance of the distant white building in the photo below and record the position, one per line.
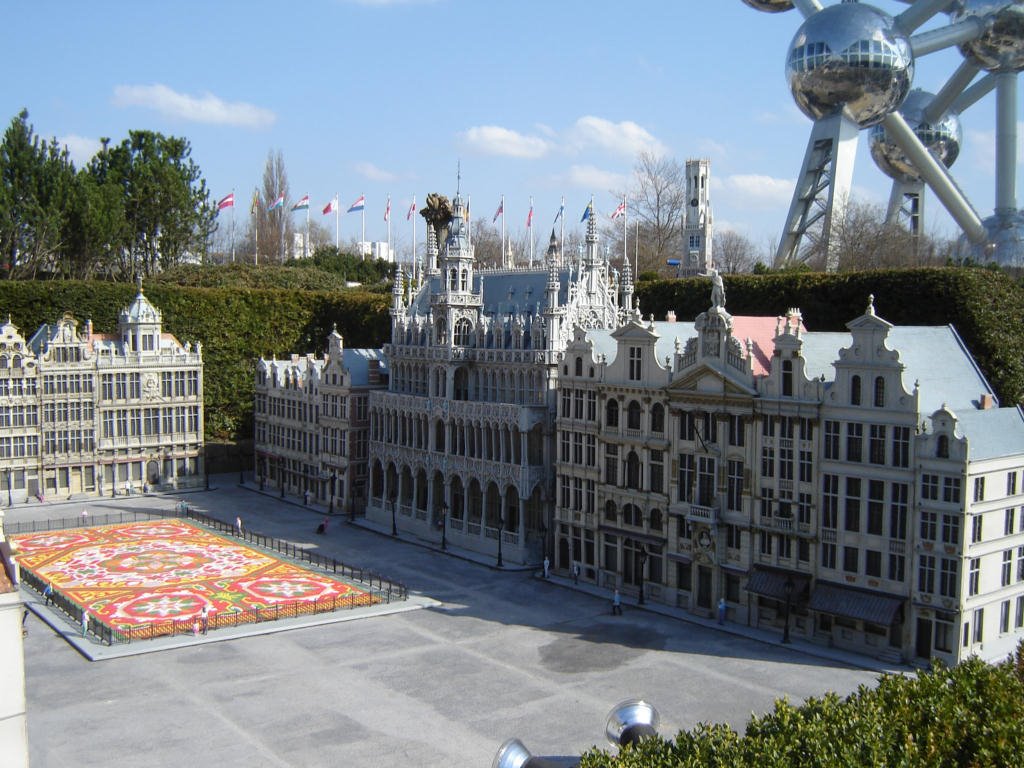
(375, 250)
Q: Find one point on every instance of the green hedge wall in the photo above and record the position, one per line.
(985, 306)
(968, 715)
(239, 324)
(235, 326)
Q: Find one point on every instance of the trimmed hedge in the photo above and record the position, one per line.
(235, 326)
(239, 324)
(986, 307)
(968, 715)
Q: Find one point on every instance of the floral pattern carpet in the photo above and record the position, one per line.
(148, 573)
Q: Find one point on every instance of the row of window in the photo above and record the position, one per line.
(150, 422)
(885, 445)
(852, 562)
(865, 503)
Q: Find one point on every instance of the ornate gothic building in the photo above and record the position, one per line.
(462, 439)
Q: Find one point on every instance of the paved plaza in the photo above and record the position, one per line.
(498, 654)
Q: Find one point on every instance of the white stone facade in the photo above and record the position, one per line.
(844, 480)
(95, 414)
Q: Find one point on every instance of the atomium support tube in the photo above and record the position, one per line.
(975, 93)
(950, 91)
(919, 12)
(807, 7)
(936, 177)
(933, 40)
(1006, 141)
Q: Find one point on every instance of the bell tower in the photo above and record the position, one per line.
(697, 227)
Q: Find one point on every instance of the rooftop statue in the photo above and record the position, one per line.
(438, 215)
(717, 290)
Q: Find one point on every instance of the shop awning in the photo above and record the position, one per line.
(853, 603)
(772, 583)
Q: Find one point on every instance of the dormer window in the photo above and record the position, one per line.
(579, 366)
(787, 378)
(635, 363)
(942, 447)
(855, 390)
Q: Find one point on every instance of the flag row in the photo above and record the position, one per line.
(360, 205)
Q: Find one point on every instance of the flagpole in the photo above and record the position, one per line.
(256, 227)
(415, 264)
(388, 211)
(307, 226)
(636, 251)
(625, 253)
(362, 220)
(337, 221)
(232, 226)
(529, 230)
(469, 220)
(561, 241)
(503, 229)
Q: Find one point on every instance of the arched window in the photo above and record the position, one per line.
(579, 366)
(879, 392)
(631, 515)
(611, 413)
(453, 280)
(633, 470)
(942, 448)
(609, 512)
(656, 520)
(633, 414)
(463, 331)
(658, 418)
(787, 378)
(465, 279)
(855, 390)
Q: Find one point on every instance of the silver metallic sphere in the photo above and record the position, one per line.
(849, 57)
(1005, 244)
(942, 138)
(1001, 48)
(770, 6)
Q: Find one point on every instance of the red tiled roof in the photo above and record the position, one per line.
(761, 331)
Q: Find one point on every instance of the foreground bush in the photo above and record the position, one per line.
(968, 715)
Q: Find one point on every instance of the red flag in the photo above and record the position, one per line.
(226, 202)
(387, 211)
(499, 212)
(412, 210)
(332, 206)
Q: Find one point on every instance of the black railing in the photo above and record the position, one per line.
(377, 588)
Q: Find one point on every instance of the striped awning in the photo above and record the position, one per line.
(853, 603)
(769, 582)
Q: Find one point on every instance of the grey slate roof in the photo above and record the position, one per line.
(992, 433)
(357, 361)
(505, 291)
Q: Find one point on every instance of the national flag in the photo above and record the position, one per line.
(588, 212)
(499, 212)
(620, 211)
(302, 205)
(226, 202)
(387, 211)
(332, 206)
(277, 203)
(560, 214)
(529, 218)
(358, 205)
(412, 210)
(255, 203)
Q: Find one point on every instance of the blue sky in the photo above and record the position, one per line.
(382, 97)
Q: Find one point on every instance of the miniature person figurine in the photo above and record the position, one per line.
(616, 604)
(238, 525)
(85, 622)
(722, 610)
(547, 566)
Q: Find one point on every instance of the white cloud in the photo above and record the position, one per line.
(711, 148)
(593, 179)
(753, 191)
(81, 148)
(495, 140)
(200, 109)
(373, 173)
(626, 138)
(980, 146)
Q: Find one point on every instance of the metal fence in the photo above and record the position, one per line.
(377, 588)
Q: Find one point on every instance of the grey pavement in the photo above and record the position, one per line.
(488, 655)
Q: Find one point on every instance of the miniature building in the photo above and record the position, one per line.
(312, 423)
(89, 413)
(798, 477)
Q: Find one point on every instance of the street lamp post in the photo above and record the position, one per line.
(501, 528)
(643, 562)
(334, 483)
(10, 497)
(788, 589)
(444, 526)
(394, 520)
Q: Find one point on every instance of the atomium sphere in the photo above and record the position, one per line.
(770, 6)
(1005, 244)
(1001, 48)
(849, 57)
(942, 138)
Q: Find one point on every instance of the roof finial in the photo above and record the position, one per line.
(458, 177)
(871, 304)
(138, 282)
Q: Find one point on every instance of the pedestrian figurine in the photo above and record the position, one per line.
(575, 573)
(305, 497)
(322, 528)
(238, 525)
(85, 515)
(85, 622)
(616, 604)
(722, 609)
(48, 594)
(547, 566)
(204, 616)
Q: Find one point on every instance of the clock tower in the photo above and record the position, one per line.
(697, 227)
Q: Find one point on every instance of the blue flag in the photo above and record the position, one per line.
(587, 213)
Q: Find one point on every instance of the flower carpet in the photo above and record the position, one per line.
(162, 574)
